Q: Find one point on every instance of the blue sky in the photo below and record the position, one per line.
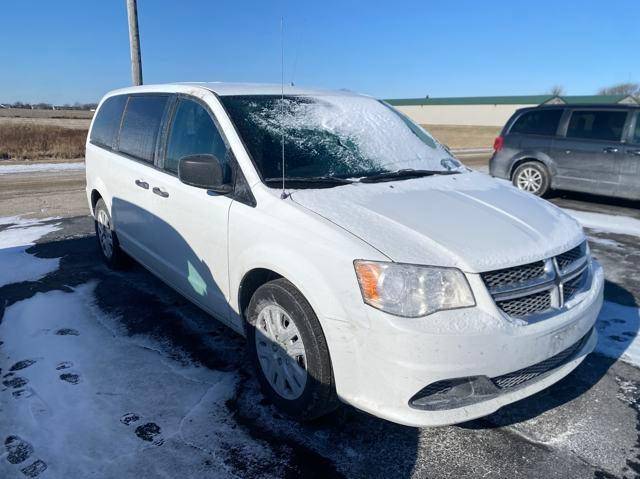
(66, 51)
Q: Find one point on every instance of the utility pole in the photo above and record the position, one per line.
(134, 42)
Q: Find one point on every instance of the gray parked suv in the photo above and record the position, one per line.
(593, 149)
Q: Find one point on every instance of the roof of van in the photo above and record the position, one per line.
(230, 89)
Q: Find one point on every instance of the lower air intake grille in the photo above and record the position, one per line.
(516, 378)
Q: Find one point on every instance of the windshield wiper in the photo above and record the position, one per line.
(307, 181)
(404, 175)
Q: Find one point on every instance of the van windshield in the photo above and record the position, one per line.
(332, 137)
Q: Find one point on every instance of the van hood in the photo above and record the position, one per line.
(469, 221)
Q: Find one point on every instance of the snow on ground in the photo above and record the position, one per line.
(618, 332)
(607, 223)
(81, 399)
(40, 167)
(15, 239)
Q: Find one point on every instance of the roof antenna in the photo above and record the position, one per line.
(283, 195)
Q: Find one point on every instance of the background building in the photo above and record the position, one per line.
(487, 110)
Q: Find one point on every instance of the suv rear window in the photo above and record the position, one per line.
(597, 125)
(107, 122)
(141, 124)
(538, 122)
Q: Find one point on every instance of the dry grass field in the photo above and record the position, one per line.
(43, 134)
(24, 141)
(458, 136)
(28, 113)
(61, 134)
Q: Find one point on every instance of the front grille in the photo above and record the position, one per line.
(526, 305)
(516, 378)
(533, 288)
(571, 287)
(513, 276)
(566, 259)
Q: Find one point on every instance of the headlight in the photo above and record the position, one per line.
(411, 290)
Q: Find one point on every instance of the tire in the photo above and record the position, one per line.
(108, 244)
(532, 177)
(278, 309)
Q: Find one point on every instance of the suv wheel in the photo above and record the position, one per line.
(110, 250)
(532, 177)
(289, 352)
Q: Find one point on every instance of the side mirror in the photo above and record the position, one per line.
(205, 171)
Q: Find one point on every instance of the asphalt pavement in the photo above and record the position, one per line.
(587, 425)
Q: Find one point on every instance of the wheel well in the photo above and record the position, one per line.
(251, 282)
(95, 196)
(523, 160)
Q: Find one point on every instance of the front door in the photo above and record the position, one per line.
(191, 222)
(630, 168)
(588, 155)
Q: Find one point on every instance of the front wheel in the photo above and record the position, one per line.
(289, 352)
(532, 177)
(110, 250)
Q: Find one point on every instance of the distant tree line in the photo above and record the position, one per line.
(49, 106)
(628, 88)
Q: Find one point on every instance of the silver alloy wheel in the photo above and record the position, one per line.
(529, 179)
(281, 352)
(104, 233)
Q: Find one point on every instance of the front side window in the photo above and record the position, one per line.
(597, 125)
(636, 134)
(336, 136)
(538, 122)
(141, 126)
(105, 126)
(192, 132)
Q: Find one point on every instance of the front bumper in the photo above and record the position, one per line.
(395, 358)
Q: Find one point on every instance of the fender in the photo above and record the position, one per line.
(535, 155)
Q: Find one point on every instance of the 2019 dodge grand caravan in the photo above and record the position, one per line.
(361, 261)
(587, 148)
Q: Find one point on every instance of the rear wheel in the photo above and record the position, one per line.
(289, 351)
(110, 250)
(532, 177)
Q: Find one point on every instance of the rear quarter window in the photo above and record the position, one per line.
(141, 126)
(107, 122)
(538, 122)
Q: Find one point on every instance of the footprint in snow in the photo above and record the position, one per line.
(71, 378)
(150, 432)
(25, 363)
(14, 382)
(67, 332)
(618, 339)
(35, 469)
(64, 365)
(18, 450)
(129, 418)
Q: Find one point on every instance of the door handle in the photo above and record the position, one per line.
(610, 149)
(634, 152)
(160, 192)
(142, 184)
(568, 152)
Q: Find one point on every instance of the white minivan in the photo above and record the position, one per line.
(362, 262)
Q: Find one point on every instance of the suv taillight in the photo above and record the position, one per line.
(498, 143)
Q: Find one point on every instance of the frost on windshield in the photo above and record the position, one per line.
(344, 136)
